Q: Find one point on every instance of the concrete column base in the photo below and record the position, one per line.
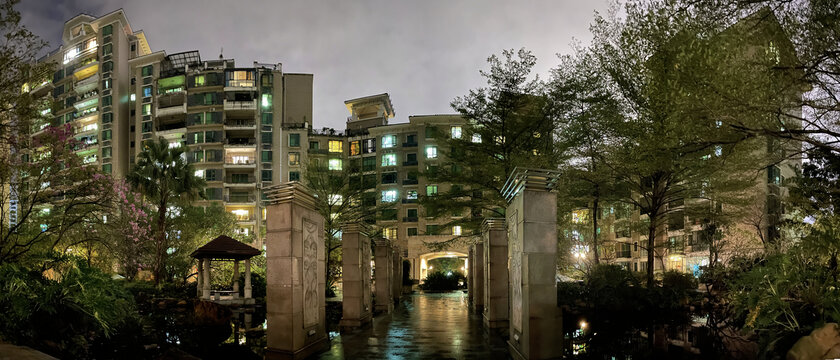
(315, 347)
(354, 324)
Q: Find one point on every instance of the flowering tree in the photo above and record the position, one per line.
(127, 229)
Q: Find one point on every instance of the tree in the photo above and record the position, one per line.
(126, 230)
(339, 197)
(193, 227)
(509, 124)
(163, 175)
(57, 197)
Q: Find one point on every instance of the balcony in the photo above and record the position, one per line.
(409, 219)
(409, 201)
(409, 182)
(249, 181)
(171, 111)
(173, 98)
(87, 84)
(86, 70)
(239, 85)
(240, 106)
(240, 142)
(240, 199)
(246, 164)
(244, 124)
(409, 144)
(410, 163)
(87, 100)
(42, 88)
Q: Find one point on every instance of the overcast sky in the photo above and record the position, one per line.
(423, 53)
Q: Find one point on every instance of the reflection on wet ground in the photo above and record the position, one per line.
(424, 326)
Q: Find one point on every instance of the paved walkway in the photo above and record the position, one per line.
(427, 326)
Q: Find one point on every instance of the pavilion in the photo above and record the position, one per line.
(224, 248)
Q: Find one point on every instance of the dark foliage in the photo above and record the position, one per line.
(443, 281)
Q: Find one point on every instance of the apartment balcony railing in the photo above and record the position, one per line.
(319, 151)
(240, 163)
(241, 141)
(42, 88)
(246, 218)
(240, 198)
(409, 219)
(250, 105)
(237, 123)
(240, 180)
(409, 182)
(170, 99)
(409, 201)
(86, 83)
(241, 83)
(171, 111)
(410, 163)
(90, 100)
(409, 144)
(623, 254)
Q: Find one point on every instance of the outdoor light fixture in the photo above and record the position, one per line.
(583, 324)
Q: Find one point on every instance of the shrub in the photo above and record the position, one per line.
(440, 281)
(69, 317)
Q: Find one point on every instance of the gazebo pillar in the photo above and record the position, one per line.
(205, 287)
(199, 284)
(236, 278)
(247, 278)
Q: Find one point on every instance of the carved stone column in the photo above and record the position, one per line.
(355, 273)
(477, 276)
(496, 283)
(535, 320)
(295, 274)
(383, 275)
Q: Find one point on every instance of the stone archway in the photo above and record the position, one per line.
(422, 261)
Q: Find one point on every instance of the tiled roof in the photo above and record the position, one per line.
(225, 247)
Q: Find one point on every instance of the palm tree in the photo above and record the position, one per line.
(164, 176)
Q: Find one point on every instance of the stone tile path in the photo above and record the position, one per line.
(424, 326)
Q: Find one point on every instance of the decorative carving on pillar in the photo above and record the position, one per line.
(515, 270)
(310, 274)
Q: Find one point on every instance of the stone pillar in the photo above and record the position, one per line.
(248, 289)
(199, 282)
(535, 320)
(235, 279)
(355, 272)
(470, 284)
(495, 274)
(477, 276)
(383, 276)
(295, 274)
(205, 287)
(396, 279)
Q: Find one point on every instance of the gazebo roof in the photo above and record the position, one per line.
(224, 247)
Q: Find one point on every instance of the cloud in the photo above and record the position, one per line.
(423, 53)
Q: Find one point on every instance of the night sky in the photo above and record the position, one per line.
(423, 53)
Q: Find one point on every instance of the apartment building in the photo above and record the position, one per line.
(230, 120)
(89, 87)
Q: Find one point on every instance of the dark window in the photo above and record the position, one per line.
(106, 168)
(106, 135)
(147, 70)
(106, 100)
(107, 118)
(107, 66)
(314, 145)
(58, 75)
(266, 175)
(389, 177)
(389, 214)
(294, 140)
(266, 156)
(107, 30)
(294, 176)
(412, 231)
(107, 49)
(214, 193)
(133, 46)
(369, 163)
(265, 137)
(267, 119)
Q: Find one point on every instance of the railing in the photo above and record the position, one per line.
(409, 201)
(248, 180)
(171, 110)
(240, 105)
(240, 123)
(409, 144)
(409, 163)
(87, 95)
(234, 163)
(240, 199)
(409, 219)
(241, 142)
(409, 181)
(241, 83)
(318, 151)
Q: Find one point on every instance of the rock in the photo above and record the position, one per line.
(13, 352)
(822, 343)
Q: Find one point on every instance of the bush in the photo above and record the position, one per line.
(70, 317)
(440, 281)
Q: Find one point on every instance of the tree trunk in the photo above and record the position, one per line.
(160, 243)
(595, 225)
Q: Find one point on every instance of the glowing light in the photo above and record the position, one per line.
(583, 324)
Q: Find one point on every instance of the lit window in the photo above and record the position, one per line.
(389, 141)
(336, 146)
(390, 233)
(199, 174)
(241, 214)
(147, 91)
(389, 196)
(411, 195)
(431, 152)
(334, 164)
(456, 230)
(389, 159)
(174, 144)
(431, 190)
(476, 138)
(240, 159)
(266, 101)
(355, 148)
(132, 97)
(294, 158)
(456, 132)
(147, 109)
(198, 80)
(718, 150)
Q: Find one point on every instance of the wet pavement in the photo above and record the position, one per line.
(423, 326)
